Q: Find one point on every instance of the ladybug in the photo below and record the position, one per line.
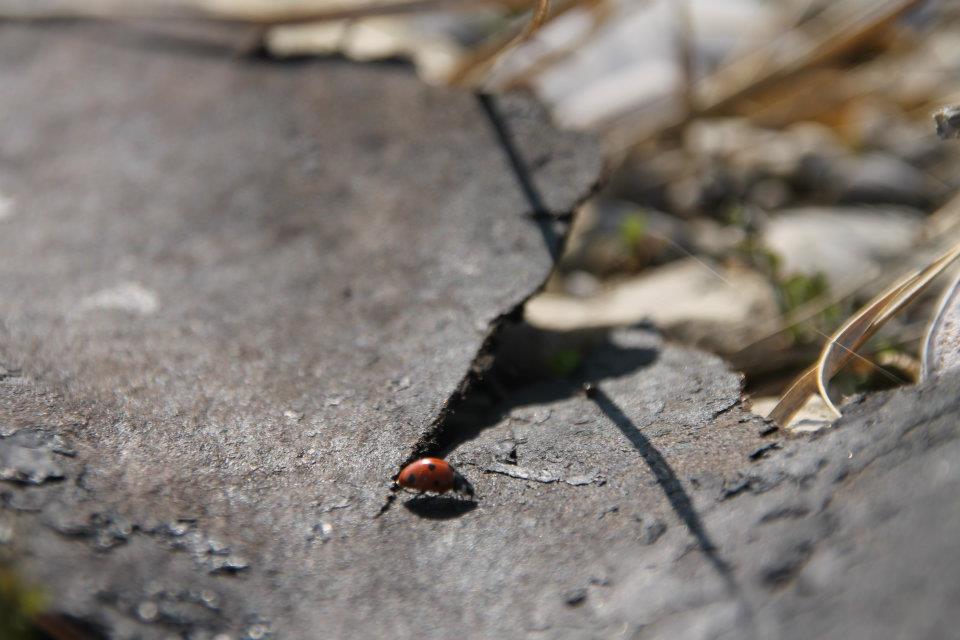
(433, 474)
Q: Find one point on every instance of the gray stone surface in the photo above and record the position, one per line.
(851, 534)
(241, 290)
(235, 296)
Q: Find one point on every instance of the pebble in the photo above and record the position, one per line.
(322, 531)
(26, 459)
(147, 611)
(885, 179)
(575, 597)
(257, 632)
(948, 122)
(848, 245)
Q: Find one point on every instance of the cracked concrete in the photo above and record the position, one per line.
(325, 249)
(241, 290)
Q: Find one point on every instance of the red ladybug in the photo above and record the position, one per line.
(433, 474)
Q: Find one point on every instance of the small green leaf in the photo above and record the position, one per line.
(564, 362)
(632, 229)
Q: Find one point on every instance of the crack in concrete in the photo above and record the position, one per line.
(439, 436)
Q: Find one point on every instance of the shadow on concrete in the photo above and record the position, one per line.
(439, 507)
(523, 373)
(677, 496)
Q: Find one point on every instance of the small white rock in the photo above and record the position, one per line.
(128, 296)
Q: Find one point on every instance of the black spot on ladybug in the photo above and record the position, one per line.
(412, 478)
(432, 466)
(436, 483)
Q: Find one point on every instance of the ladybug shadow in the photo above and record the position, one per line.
(439, 507)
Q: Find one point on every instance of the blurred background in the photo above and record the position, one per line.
(770, 164)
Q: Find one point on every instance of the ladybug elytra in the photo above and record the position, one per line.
(433, 474)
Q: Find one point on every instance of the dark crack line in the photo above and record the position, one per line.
(539, 212)
(476, 379)
(677, 496)
(488, 394)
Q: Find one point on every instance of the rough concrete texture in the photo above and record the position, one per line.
(235, 295)
(241, 290)
(657, 508)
